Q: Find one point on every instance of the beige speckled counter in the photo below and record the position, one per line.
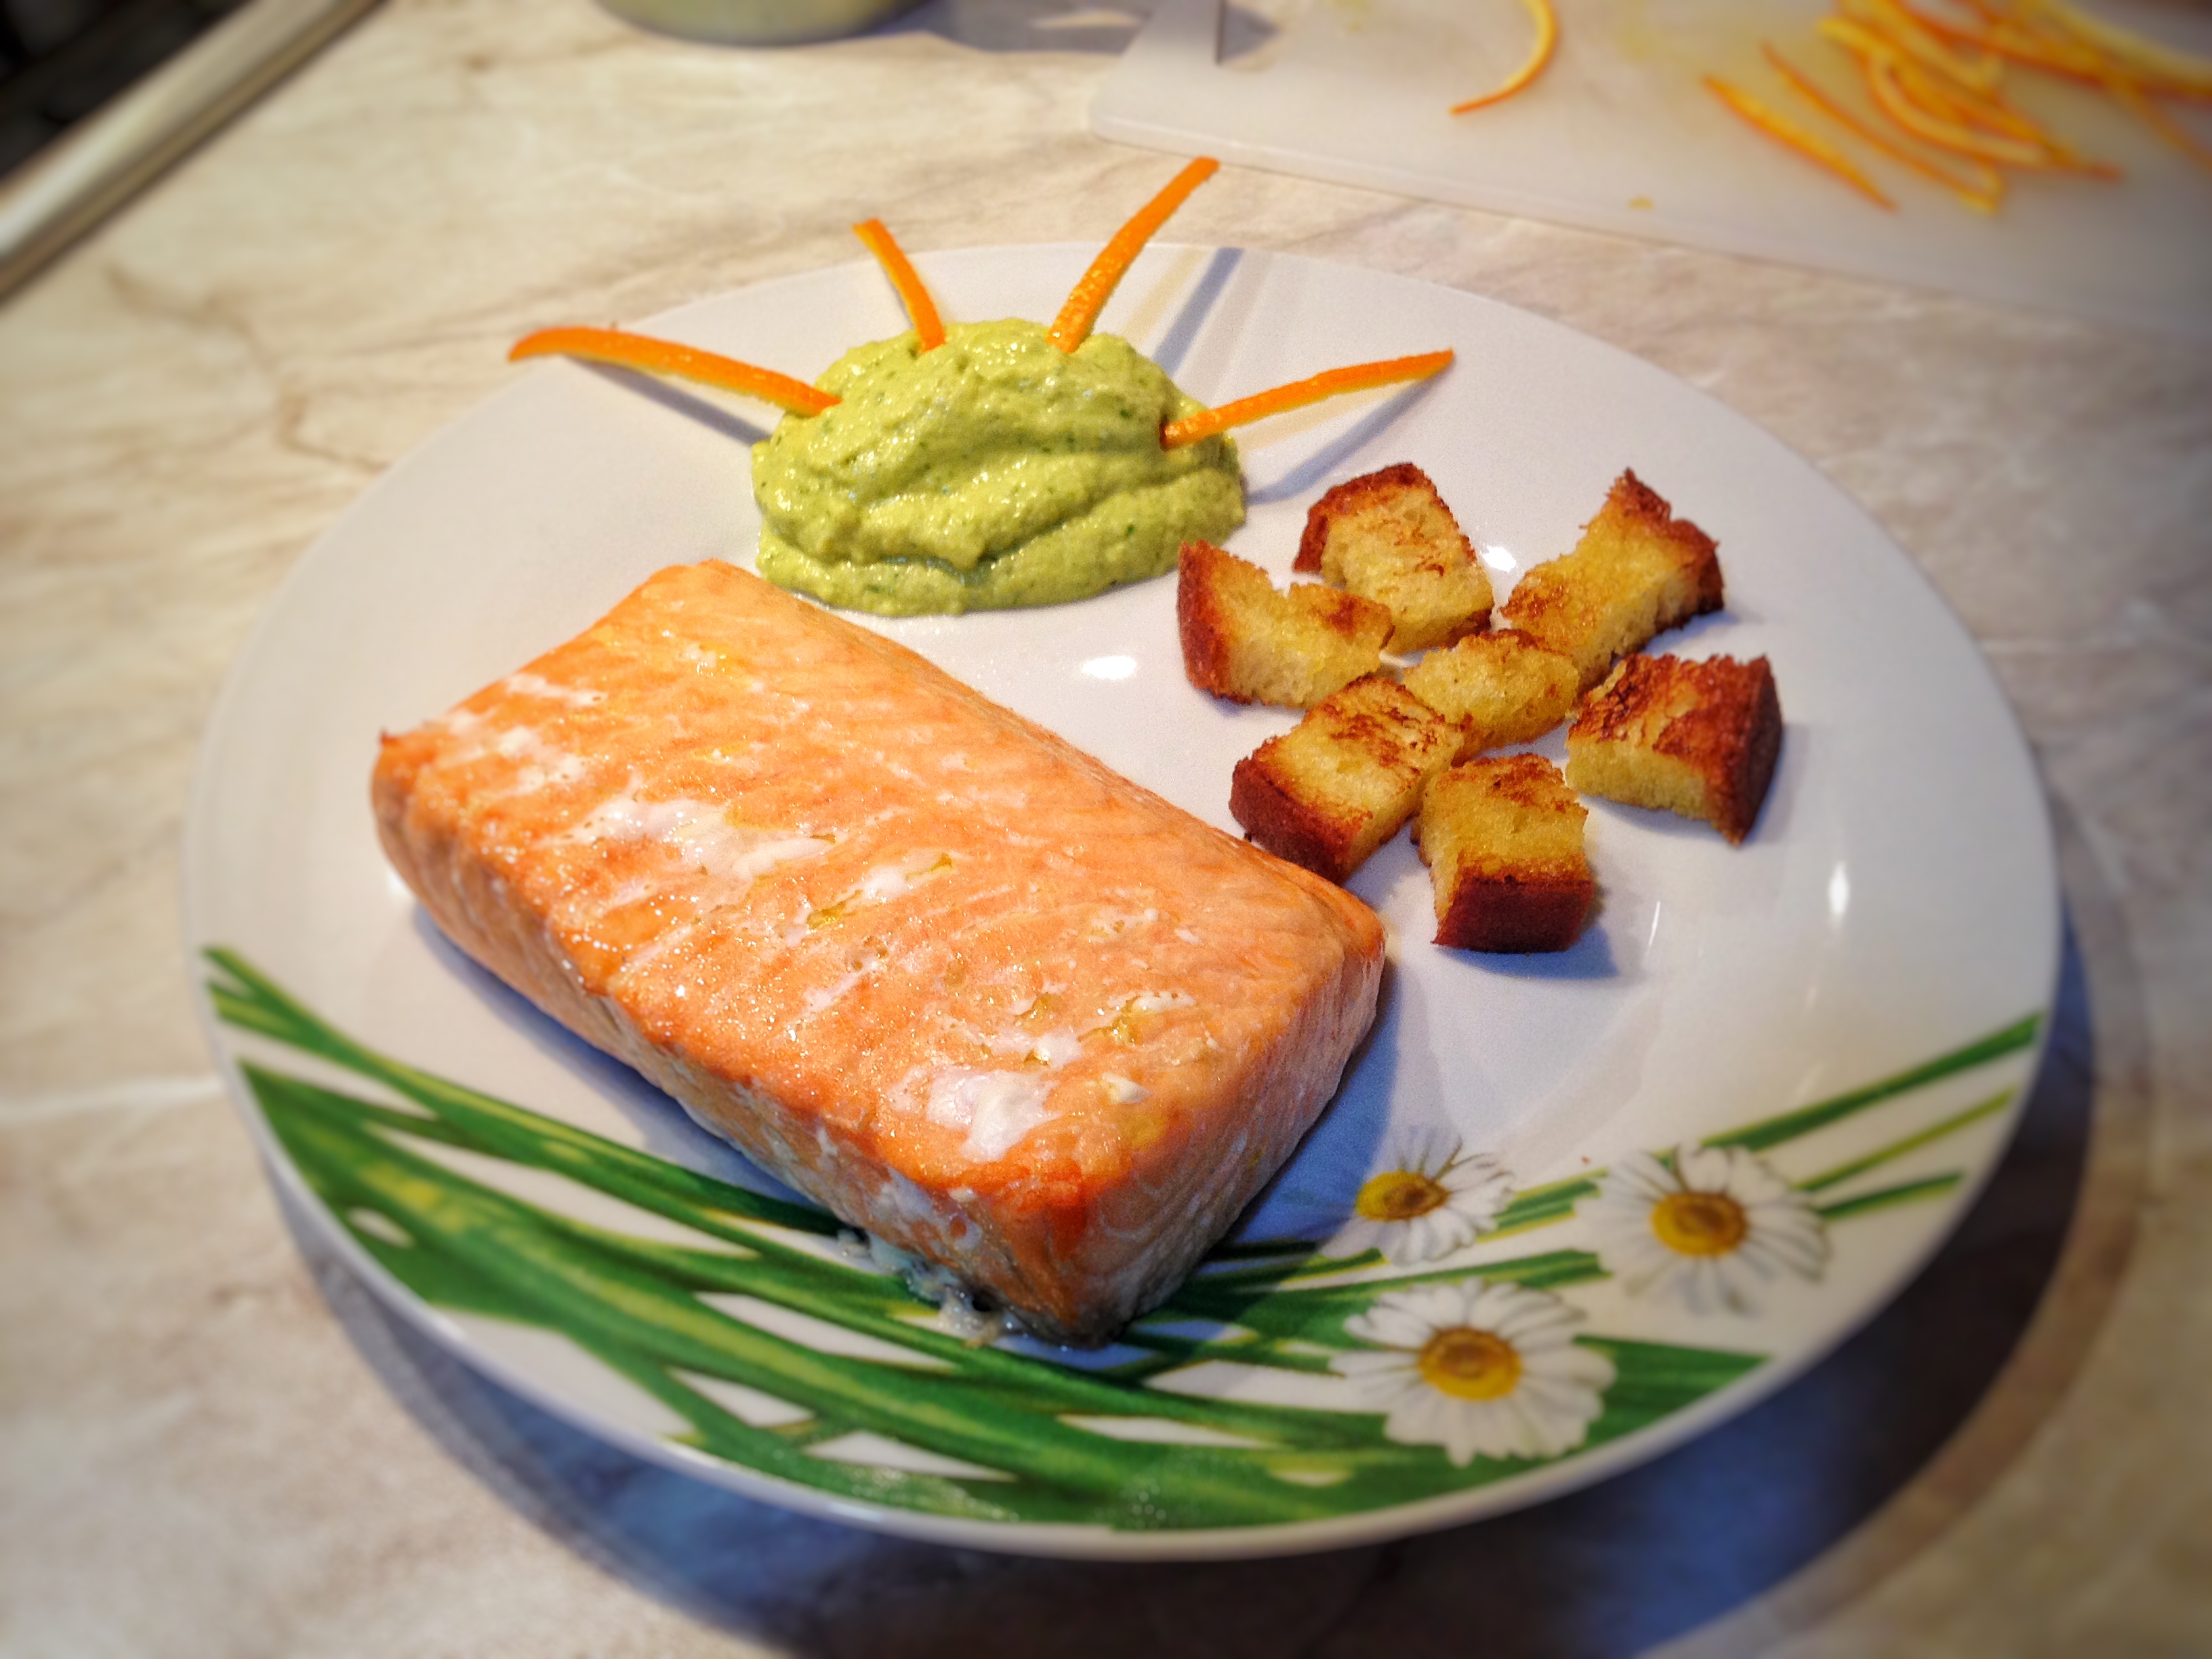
(211, 1444)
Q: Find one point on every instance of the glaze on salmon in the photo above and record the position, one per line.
(923, 960)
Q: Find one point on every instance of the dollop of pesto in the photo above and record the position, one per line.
(995, 471)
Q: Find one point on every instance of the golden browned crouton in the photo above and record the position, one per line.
(1638, 570)
(1503, 839)
(1699, 738)
(1337, 785)
(1243, 641)
(1498, 687)
(1388, 537)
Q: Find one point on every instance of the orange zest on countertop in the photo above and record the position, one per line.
(1982, 193)
(1073, 326)
(1539, 54)
(1358, 377)
(612, 345)
(928, 326)
(1803, 140)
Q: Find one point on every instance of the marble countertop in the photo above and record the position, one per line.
(212, 1443)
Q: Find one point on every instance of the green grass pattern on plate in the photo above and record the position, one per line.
(636, 1305)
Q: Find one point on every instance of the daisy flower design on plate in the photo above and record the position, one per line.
(1712, 1230)
(1477, 1367)
(1427, 1201)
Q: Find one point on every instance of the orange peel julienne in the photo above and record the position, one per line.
(1937, 79)
(640, 351)
(1910, 34)
(1539, 54)
(2137, 57)
(1983, 194)
(1332, 383)
(1073, 326)
(2132, 94)
(1991, 114)
(2062, 40)
(928, 326)
(1886, 84)
(1803, 140)
(1909, 96)
(2015, 41)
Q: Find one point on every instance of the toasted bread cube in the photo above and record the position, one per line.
(1335, 787)
(1699, 738)
(1636, 571)
(1497, 689)
(1503, 839)
(1388, 537)
(1243, 641)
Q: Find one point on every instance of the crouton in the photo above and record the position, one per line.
(1243, 641)
(1699, 738)
(1388, 537)
(1636, 571)
(1497, 689)
(1337, 785)
(1503, 839)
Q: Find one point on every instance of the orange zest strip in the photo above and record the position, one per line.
(1992, 115)
(1910, 35)
(1073, 326)
(1888, 91)
(928, 326)
(1990, 124)
(2131, 54)
(1982, 195)
(2159, 121)
(1547, 38)
(1359, 376)
(1992, 118)
(1805, 142)
(1890, 79)
(2031, 51)
(2057, 47)
(612, 345)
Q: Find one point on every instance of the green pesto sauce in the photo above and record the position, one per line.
(995, 471)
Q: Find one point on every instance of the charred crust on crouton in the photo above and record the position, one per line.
(1502, 838)
(1340, 612)
(1636, 571)
(1243, 641)
(1202, 618)
(1327, 793)
(1499, 688)
(1700, 738)
(1510, 916)
(1389, 536)
(1633, 502)
(1349, 496)
(1290, 826)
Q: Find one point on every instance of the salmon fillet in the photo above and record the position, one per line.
(930, 964)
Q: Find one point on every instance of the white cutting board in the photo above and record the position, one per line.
(1619, 135)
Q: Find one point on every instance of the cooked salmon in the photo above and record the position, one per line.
(928, 963)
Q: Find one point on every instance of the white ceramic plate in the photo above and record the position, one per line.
(1845, 1012)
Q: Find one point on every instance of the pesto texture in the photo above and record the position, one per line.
(996, 471)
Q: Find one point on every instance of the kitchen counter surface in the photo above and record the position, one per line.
(212, 1443)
